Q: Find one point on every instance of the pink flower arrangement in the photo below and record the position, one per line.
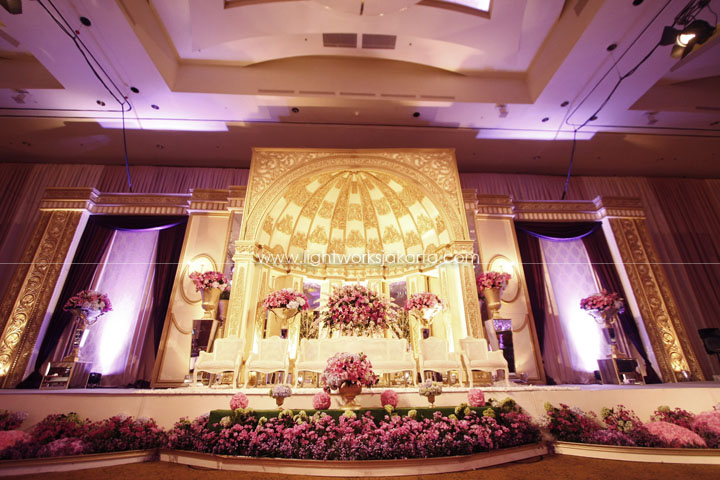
(63, 447)
(10, 438)
(286, 298)
(321, 401)
(476, 398)
(209, 279)
(602, 302)
(90, 301)
(348, 368)
(674, 435)
(239, 400)
(280, 391)
(389, 397)
(356, 307)
(423, 300)
(492, 280)
(11, 420)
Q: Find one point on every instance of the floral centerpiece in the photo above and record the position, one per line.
(430, 390)
(287, 299)
(602, 302)
(209, 279)
(422, 301)
(490, 286)
(92, 303)
(348, 373)
(490, 280)
(280, 393)
(355, 308)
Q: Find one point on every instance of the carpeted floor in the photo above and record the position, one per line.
(550, 467)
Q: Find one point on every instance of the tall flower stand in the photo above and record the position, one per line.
(71, 373)
(617, 368)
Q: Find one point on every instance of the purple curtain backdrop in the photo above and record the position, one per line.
(93, 245)
(604, 267)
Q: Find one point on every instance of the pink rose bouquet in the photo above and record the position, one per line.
(348, 368)
(209, 279)
(476, 398)
(239, 400)
(602, 301)
(389, 397)
(356, 307)
(321, 401)
(423, 300)
(492, 280)
(89, 300)
(286, 298)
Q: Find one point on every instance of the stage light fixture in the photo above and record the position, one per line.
(696, 32)
(14, 7)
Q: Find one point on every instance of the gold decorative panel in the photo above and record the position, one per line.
(657, 306)
(30, 290)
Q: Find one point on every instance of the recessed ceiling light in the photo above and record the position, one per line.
(565, 103)
(416, 114)
(155, 107)
(611, 47)
(593, 118)
(637, 2)
(295, 110)
(85, 21)
(545, 119)
(134, 90)
(101, 103)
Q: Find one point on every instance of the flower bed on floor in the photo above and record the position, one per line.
(619, 426)
(373, 434)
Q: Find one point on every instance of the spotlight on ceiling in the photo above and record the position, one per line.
(696, 32)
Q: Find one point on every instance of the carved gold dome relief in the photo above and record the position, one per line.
(354, 212)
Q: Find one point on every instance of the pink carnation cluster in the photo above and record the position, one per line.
(476, 398)
(239, 400)
(389, 397)
(602, 301)
(675, 436)
(420, 301)
(348, 368)
(356, 307)
(286, 298)
(209, 279)
(492, 280)
(321, 401)
(89, 300)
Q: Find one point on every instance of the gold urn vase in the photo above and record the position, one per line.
(347, 393)
(210, 298)
(493, 301)
(607, 318)
(82, 318)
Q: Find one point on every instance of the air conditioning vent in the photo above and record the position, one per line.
(372, 40)
(340, 40)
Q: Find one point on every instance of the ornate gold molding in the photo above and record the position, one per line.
(472, 307)
(657, 306)
(28, 296)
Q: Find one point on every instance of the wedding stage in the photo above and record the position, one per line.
(167, 406)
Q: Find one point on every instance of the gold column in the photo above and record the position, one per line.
(657, 306)
(31, 289)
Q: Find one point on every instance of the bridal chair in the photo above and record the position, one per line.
(476, 356)
(435, 356)
(225, 357)
(272, 356)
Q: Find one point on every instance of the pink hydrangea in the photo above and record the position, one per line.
(675, 435)
(10, 438)
(389, 397)
(709, 421)
(239, 400)
(476, 397)
(321, 401)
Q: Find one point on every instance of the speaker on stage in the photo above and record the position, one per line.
(94, 380)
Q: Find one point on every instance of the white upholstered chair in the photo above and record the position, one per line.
(272, 356)
(435, 356)
(476, 356)
(225, 357)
